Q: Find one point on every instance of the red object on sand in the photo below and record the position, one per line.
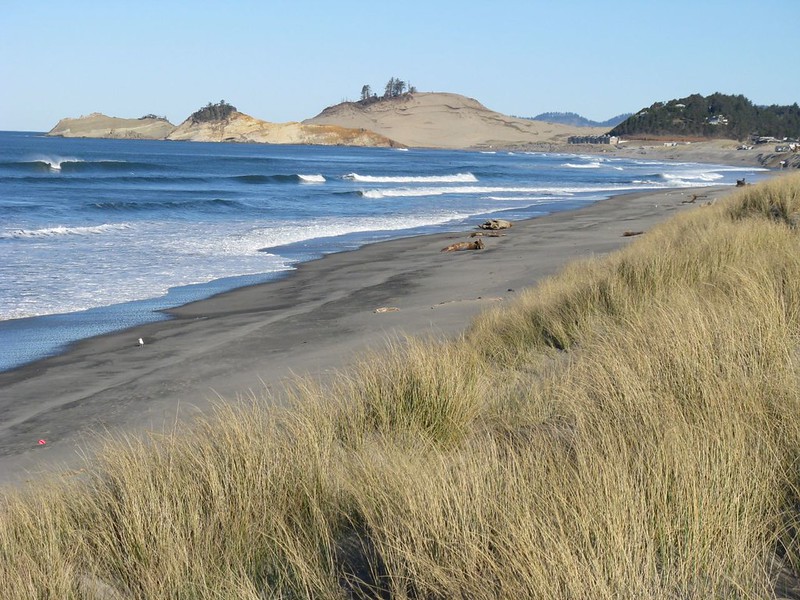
(42, 442)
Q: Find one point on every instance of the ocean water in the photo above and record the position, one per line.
(99, 235)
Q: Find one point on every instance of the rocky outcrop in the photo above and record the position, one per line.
(97, 125)
(239, 127)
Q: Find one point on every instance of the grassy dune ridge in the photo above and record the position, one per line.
(627, 429)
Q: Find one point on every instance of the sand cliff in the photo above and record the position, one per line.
(239, 127)
(443, 120)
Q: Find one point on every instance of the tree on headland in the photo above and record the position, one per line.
(153, 116)
(394, 88)
(213, 112)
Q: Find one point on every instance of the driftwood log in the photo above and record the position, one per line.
(476, 245)
(495, 224)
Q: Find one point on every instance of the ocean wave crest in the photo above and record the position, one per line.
(279, 178)
(692, 175)
(591, 165)
(611, 188)
(63, 230)
(456, 178)
(53, 163)
(414, 192)
(204, 204)
(311, 178)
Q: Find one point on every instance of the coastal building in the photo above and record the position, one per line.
(593, 139)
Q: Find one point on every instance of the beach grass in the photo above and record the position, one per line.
(626, 429)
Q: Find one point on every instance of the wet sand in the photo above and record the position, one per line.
(317, 319)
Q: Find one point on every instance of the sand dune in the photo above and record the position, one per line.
(443, 120)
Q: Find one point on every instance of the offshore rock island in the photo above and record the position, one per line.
(98, 125)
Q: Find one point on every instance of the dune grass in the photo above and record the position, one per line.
(627, 429)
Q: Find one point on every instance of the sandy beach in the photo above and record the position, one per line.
(317, 319)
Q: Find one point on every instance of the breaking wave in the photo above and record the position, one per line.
(16, 234)
(457, 178)
(53, 163)
(73, 164)
(311, 178)
(591, 165)
(294, 178)
(613, 188)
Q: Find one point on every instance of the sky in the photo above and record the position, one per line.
(287, 60)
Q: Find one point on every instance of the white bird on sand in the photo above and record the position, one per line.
(141, 342)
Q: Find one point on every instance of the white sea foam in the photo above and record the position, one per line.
(415, 192)
(312, 178)
(548, 198)
(673, 181)
(290, 233)
(456, 178)
(692, 175)
(63, 230)
(591, 165)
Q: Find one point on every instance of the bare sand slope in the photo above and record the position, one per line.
(442, 120)
(240, 127)
(316, 319)
(97, 125)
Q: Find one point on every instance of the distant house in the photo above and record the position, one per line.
(717, 120)
(593, 139)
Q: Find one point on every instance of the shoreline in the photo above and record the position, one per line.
(316, 319)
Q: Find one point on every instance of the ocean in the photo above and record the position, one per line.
(101, 235)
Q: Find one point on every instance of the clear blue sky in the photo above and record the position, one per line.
(287, 60)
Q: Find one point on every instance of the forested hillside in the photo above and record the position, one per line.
(576, 120)
(714, 116)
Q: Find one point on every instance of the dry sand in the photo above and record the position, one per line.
(442, 120)
(315, 320)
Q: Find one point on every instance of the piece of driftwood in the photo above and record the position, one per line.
(486, 234)
(632, 233)
(495, 224)
(693, 199)
(386, 309)
(476, 245)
